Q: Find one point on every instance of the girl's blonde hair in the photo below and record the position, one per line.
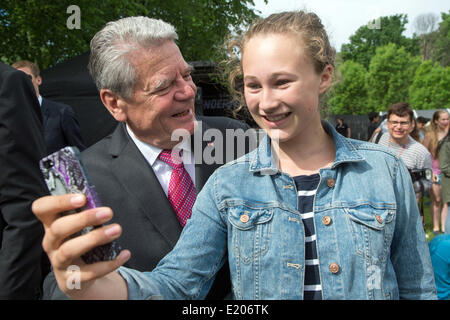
(433, 134)
(306, 25)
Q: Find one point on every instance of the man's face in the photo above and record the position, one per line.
(164, 95)
(35, 80)
(399, 127)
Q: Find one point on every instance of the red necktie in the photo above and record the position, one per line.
(181, 193)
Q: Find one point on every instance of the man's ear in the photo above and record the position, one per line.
(39, 80)
(325, 79)
(114, 104)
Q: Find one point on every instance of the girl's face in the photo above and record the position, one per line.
(281, 86)
(443, 121)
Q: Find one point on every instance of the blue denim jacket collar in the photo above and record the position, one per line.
(263, 161)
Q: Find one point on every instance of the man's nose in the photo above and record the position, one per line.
(187, 90)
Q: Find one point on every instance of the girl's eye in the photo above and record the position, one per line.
(282, 82)
(252, 85)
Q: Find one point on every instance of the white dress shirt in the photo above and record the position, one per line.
(162, 170)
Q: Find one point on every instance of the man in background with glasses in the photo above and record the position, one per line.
(400, 123)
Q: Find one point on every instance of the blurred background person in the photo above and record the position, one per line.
(414, 133)
(420, 124)
(373, 118)
(440, 259)
(61, 127)
(444, 164)
(343, 128)
(438, 130)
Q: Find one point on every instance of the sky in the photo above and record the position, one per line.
(342, 18)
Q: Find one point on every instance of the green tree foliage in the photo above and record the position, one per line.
(390, 74)
(364, 42)
(441, 52)
(431, 87)
(37, 29)
(349, 95)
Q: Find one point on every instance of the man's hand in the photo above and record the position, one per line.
(64, 252)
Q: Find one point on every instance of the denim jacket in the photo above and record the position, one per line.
(370, 239)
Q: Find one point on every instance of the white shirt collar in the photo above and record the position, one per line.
(151, 153)
(40, 100)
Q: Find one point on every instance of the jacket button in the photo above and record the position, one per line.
(330, 182)
(244, 218)
(334, 268)
(326, 220)
(379, 219)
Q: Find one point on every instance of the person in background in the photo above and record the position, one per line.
(23, 264)
(444, 165)
(414, 132)
(439, 126)
(421, 122)
(61, 126)
(440, 258)
(309, 214)
(400, 123)
(373, 118)
(343, 128)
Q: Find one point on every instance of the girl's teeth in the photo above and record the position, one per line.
(277, 118)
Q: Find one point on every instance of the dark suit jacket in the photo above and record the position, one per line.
(61, 126)
(21, 147)
(126, 182)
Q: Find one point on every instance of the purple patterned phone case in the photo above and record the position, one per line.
(64, 173)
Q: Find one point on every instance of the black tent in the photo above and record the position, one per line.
(70, 82)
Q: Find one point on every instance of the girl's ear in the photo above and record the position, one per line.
(115, 104)
(325, 79)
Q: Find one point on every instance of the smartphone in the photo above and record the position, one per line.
(64, 173)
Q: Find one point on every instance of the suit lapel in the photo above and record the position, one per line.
(142, 186)
(45, 112)
(202, 171)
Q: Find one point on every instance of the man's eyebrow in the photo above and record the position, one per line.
(189, 68)
(162, 83)
(159, 84)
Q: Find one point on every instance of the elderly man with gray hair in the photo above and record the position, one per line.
(147, 86)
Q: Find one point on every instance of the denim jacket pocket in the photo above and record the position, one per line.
(250, 231)
(372, 230)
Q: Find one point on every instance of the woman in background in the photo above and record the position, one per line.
(438, 130)
(444, 162)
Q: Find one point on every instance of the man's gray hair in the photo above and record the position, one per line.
(109, 64)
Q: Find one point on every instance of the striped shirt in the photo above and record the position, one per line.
(413, 153)
(306, 190)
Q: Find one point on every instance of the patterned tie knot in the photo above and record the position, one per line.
(172, 158)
